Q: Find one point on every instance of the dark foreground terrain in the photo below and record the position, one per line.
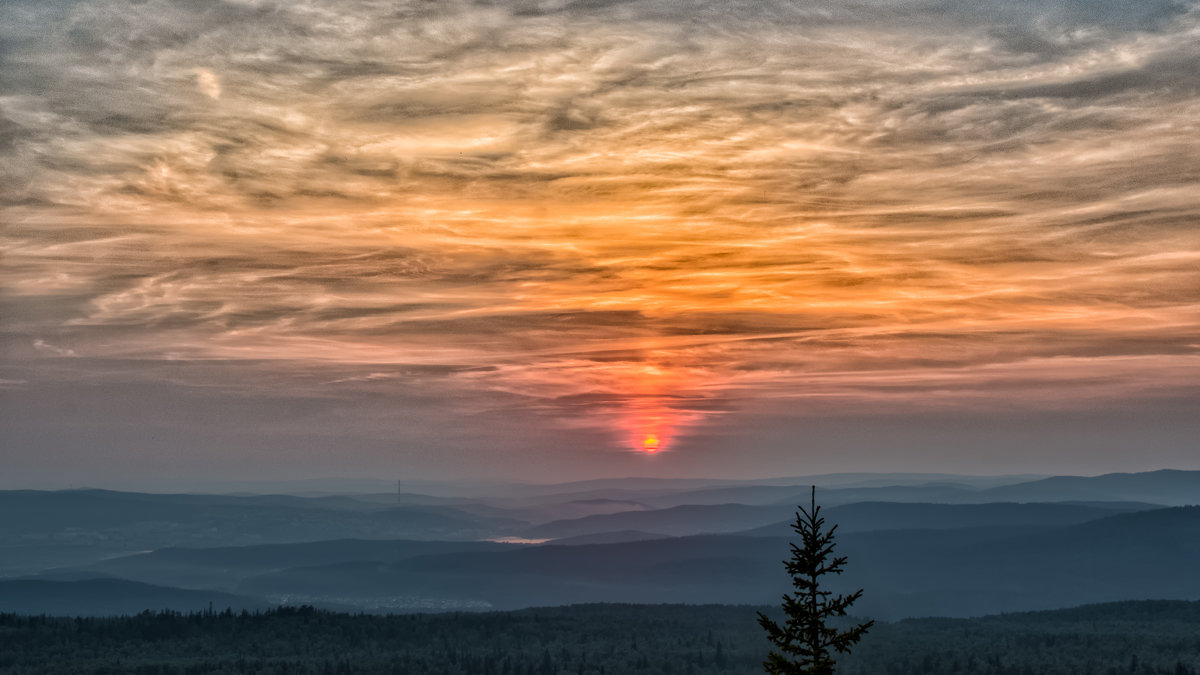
(1129, 637)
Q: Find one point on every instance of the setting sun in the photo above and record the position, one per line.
(650, 444)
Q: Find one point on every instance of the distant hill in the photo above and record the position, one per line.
(772, 520)
(536, 512)
(690, 569)
(119, 520)
(954, 572)
(1167, 487)
(665, 493)
(110, 597)
(1079, 542)
(676, 521)
(829, 480)
(224, 567)
(868, 516)
(790, 495)
(608, 538)
(1148, 554)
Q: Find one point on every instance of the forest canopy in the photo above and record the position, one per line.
(1130, 637)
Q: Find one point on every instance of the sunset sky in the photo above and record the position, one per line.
(546, 240)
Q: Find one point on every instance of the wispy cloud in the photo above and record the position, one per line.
(614, 214)
(45, 347)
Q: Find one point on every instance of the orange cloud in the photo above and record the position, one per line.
(619, 221)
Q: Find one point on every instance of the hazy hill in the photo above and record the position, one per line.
(676, 521)
(140, 521)
(913, 558)
(1160, 487)
(1148, 554)
(608, 538)
(110, 597)
(691, 569)
(831, 480)
(714, 568)
(667, 492)
(546, 511)
(1008, 565)
(958, 572)
(790, 495)
(1167, 487)
(868, 516)
(773, 520)
(224, 567)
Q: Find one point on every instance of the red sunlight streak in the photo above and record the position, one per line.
(651, 426)
(650, 422)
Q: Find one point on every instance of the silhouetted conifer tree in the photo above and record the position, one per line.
(805, 639)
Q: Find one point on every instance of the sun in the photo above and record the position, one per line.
(650, 444)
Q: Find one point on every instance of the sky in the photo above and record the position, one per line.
(553, 240)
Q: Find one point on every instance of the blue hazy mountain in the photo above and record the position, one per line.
(868, 516)
(620, 537)
(39, 529)
(223, 567)
(961, 557)
(109, 597)
(1168, 487)
(957, 572)
(676, 521)
(1148, 554)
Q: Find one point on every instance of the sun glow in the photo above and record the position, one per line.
(650, 425)
(650, 444)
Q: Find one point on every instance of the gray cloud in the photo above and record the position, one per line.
(481, 210)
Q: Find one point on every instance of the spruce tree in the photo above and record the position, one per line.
(805, 639)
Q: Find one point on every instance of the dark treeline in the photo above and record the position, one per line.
(1114, 639)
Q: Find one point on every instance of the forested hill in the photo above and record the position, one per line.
(1145, 638)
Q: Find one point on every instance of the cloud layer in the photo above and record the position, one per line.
(615, 220)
